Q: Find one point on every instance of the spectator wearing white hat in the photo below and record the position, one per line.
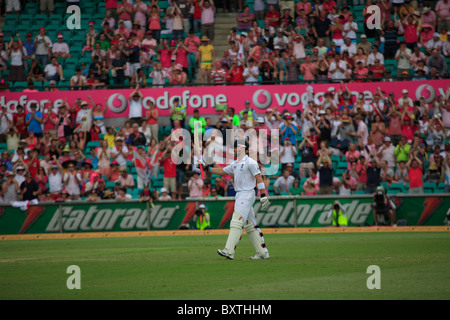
(61, 49)
(405, 98)
(434, 43)
(385, 152)
(164, 195)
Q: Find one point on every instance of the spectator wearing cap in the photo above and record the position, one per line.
(386, 152)
(434, 43)
(437, 60)
(405, 99)
(55, 172)
(251, 72)
(289, 130)
(126, 180)
(164, 195)
(178, 112)
(34, 121)
(29, 188)
(29, 45)
(19, 169)
(120, 152)
(288, 152)
(280, 40)
(137, 138)
(251, 113)
(60, 48)
(149, 42)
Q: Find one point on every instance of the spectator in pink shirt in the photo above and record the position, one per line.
(308, 69)
(195, 185)
(442, 10)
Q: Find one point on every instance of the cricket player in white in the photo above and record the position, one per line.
(247, 176)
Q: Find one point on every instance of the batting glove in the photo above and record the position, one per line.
(265, 203)
(199, 163)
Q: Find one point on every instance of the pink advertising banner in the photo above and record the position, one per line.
(261, 97)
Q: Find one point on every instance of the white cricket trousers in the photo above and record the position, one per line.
(243, 204)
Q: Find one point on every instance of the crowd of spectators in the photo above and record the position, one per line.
(344, 144)
(326, 41)
(272, 42)
(70, 153)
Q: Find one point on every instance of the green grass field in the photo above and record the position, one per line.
(414, 265)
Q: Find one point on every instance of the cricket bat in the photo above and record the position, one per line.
(197, 147)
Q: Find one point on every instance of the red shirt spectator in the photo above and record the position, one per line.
(19, 121)
(170, 168)
(236, 72)
(415, 175)
(273, 17)
(328, 5)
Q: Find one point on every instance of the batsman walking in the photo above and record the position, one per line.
(247, 176)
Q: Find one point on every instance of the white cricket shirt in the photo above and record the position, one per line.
(244, 173)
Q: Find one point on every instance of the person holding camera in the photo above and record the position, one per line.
(201, 218)
(338, 214)
(347, 184)
(383, 207)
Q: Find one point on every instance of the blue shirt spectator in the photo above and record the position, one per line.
(289, 130)
(34, 121)
(29, 45)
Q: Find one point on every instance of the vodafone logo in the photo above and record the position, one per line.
(262, 99)
(426, 91)
(117, 103)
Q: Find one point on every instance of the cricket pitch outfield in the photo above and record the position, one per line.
(308, 265)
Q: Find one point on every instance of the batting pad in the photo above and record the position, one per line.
(256, 237)
(235, 234)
